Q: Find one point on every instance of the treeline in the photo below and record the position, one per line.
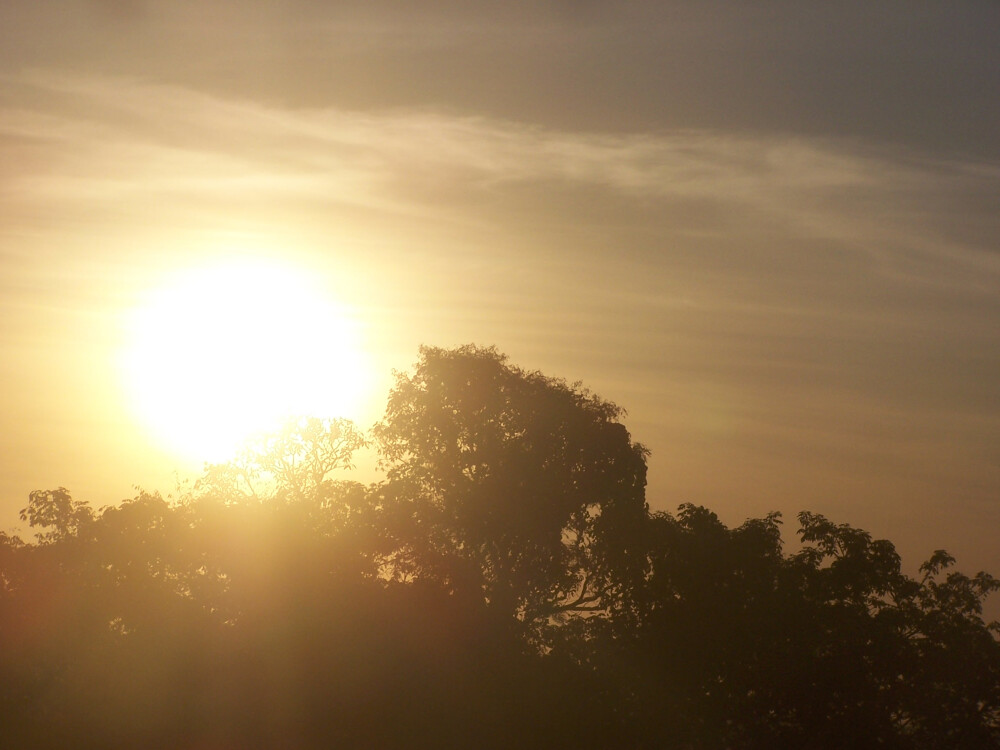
(505, 585)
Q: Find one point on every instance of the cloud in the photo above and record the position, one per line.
(775, 221)
(886, 71)
(778, 213)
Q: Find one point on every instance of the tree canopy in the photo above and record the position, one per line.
(505, 583)
(522, 486)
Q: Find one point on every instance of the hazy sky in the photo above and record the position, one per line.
(771, 231)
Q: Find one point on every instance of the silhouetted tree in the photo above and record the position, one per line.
(831, 647)
(512, 486)
(58, 513)
(297, 462)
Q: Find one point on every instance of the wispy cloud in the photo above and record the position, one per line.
(104, 141)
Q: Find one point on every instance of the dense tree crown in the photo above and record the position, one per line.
(504, 584)
(519, 485)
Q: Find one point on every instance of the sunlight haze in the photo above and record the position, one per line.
(224, 352)
(769, 231)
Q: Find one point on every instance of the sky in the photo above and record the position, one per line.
(770, 231)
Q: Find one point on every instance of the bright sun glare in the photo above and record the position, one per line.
(220, 353)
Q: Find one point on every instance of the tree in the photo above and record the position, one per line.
(519, 488)
(59, 512)
(294, 463)
(739, 645)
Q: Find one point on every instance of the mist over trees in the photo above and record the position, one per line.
(504, 584)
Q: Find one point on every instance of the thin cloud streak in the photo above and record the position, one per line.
(112, 140)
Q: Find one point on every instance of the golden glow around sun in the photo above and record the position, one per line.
(220, 353)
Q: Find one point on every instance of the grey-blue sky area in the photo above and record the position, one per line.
(917, 74)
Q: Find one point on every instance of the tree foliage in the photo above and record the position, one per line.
(740, 645)
(505, 584)
(519, 485)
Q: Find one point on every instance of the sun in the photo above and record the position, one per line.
(220, 353)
